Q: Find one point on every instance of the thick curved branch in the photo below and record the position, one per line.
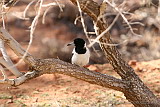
(59, 66)
(50, 66)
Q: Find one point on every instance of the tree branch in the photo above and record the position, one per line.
(3, 73)
(10, 67)
(21, 79)
(50, 66)
(7, 61)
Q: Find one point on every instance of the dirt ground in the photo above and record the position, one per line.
(56, 90)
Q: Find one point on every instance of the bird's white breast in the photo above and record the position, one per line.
(80, 59)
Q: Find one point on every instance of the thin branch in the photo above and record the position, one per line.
(137, 23)
(45, 13)
(8, 61)
(124, 18)
(84, 27)
(7, 81)
(60, 5)
(32, 29)
(49, 7)
(76, 20)
(3, 73)
(25, 11)
(3, 21)
(14, 45)
(158, 13)
(19, 15)
(104, 32)
(53, 4)
(19, 80)
(11, 67)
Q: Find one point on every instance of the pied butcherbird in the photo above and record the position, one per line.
(80, 53)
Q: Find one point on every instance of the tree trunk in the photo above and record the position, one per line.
(137, 93)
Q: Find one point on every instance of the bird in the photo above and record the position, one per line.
(80, 53)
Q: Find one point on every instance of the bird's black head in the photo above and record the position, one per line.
(79, 45)
(78, 42)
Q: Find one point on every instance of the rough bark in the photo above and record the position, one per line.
(137, 93)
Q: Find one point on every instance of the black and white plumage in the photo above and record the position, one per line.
(80, 53)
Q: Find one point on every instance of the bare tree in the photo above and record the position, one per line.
(130, 84)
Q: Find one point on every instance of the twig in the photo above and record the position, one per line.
(3, 21)
(45, 13)
(3, 73)
(49, 7)
(77, 18)
(25, 11)
(61, 7)
(19, 15)
(158, 13)
(124, 18)
(108, 28)
(53, 4)
(139, 23)
(32, 29)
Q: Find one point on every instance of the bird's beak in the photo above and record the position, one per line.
(70, 44)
